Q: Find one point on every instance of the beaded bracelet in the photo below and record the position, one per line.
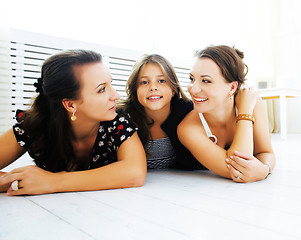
(245, 117)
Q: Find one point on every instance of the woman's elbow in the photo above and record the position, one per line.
(137, 176)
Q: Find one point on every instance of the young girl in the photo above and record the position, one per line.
(156, 105)
(228, 129)
(72, 132)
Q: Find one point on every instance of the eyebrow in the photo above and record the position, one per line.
(205, 75)
(156, 76)
(100, 85)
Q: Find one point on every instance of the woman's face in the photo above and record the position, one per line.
(153, 90)
(208, 89)
(97, 100)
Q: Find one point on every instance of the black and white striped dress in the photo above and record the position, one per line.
(162, 154)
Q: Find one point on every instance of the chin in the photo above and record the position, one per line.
(108, 117)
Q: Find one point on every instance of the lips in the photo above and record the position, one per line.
(154, 97)
(200, 99)
(112, 108)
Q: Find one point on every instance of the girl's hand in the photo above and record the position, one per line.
(245, 168)
(31, 180)
(245, 101)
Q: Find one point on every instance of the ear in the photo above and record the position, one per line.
(69, 105)
(233, 87)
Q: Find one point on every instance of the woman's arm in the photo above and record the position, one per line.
(193, 137)
(255, 166)
(211, 155)
(10, 150)
(128, 171)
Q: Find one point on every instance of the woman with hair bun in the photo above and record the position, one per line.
(72, 132)
(227, 131)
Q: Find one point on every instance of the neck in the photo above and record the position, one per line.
(158, 116)
(223, 115)
(85, 130)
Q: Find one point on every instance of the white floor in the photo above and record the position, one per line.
(171, 205)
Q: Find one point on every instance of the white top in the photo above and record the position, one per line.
(207, 129)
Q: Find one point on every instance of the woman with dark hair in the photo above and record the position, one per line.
(156, 104)
(72, 132)
(228, 129)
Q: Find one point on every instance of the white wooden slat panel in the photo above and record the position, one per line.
(27, 51)
(22, 80)
(5, 75)
(18, 99)
(26, 74)
(28, 67)
(120, 77)
(22, 60)
(24, 87)
(122, 60)
(5, 93)
(127, 68)
(120, 72)
(22, 94)
(35, 48)
(117, 82)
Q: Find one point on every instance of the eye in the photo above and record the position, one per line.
(143, 82)
(162, 81)
(206, 81)
(101, 90)
(191, 79)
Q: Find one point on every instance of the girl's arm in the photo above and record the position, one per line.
(128, 171)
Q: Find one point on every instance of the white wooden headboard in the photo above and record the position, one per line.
(22, 54)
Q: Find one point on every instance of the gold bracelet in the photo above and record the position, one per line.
(245, 117)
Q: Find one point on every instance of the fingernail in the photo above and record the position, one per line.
(231, 157)
(227, 160)
(228, 166)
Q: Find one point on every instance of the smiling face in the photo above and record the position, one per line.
(154, 92)
(208, 89)
(97, 100)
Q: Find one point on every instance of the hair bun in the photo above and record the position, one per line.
(239, 53)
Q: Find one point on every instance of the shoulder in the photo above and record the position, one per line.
(190, 123)
(118, 129)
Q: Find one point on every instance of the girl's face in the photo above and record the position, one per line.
(97, 100)
(153, 91)
(208, 89)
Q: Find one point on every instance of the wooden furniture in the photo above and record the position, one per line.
(282, 94)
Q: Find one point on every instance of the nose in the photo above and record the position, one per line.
(114, 95)
(153, 86)
(194, 88)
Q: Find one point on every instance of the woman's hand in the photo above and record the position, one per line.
(245, 101)
(245, 168)
(31, 180)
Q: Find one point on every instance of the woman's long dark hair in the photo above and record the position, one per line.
(132, 106)
(47, 122)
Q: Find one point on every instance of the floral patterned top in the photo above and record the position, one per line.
(110, 136)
